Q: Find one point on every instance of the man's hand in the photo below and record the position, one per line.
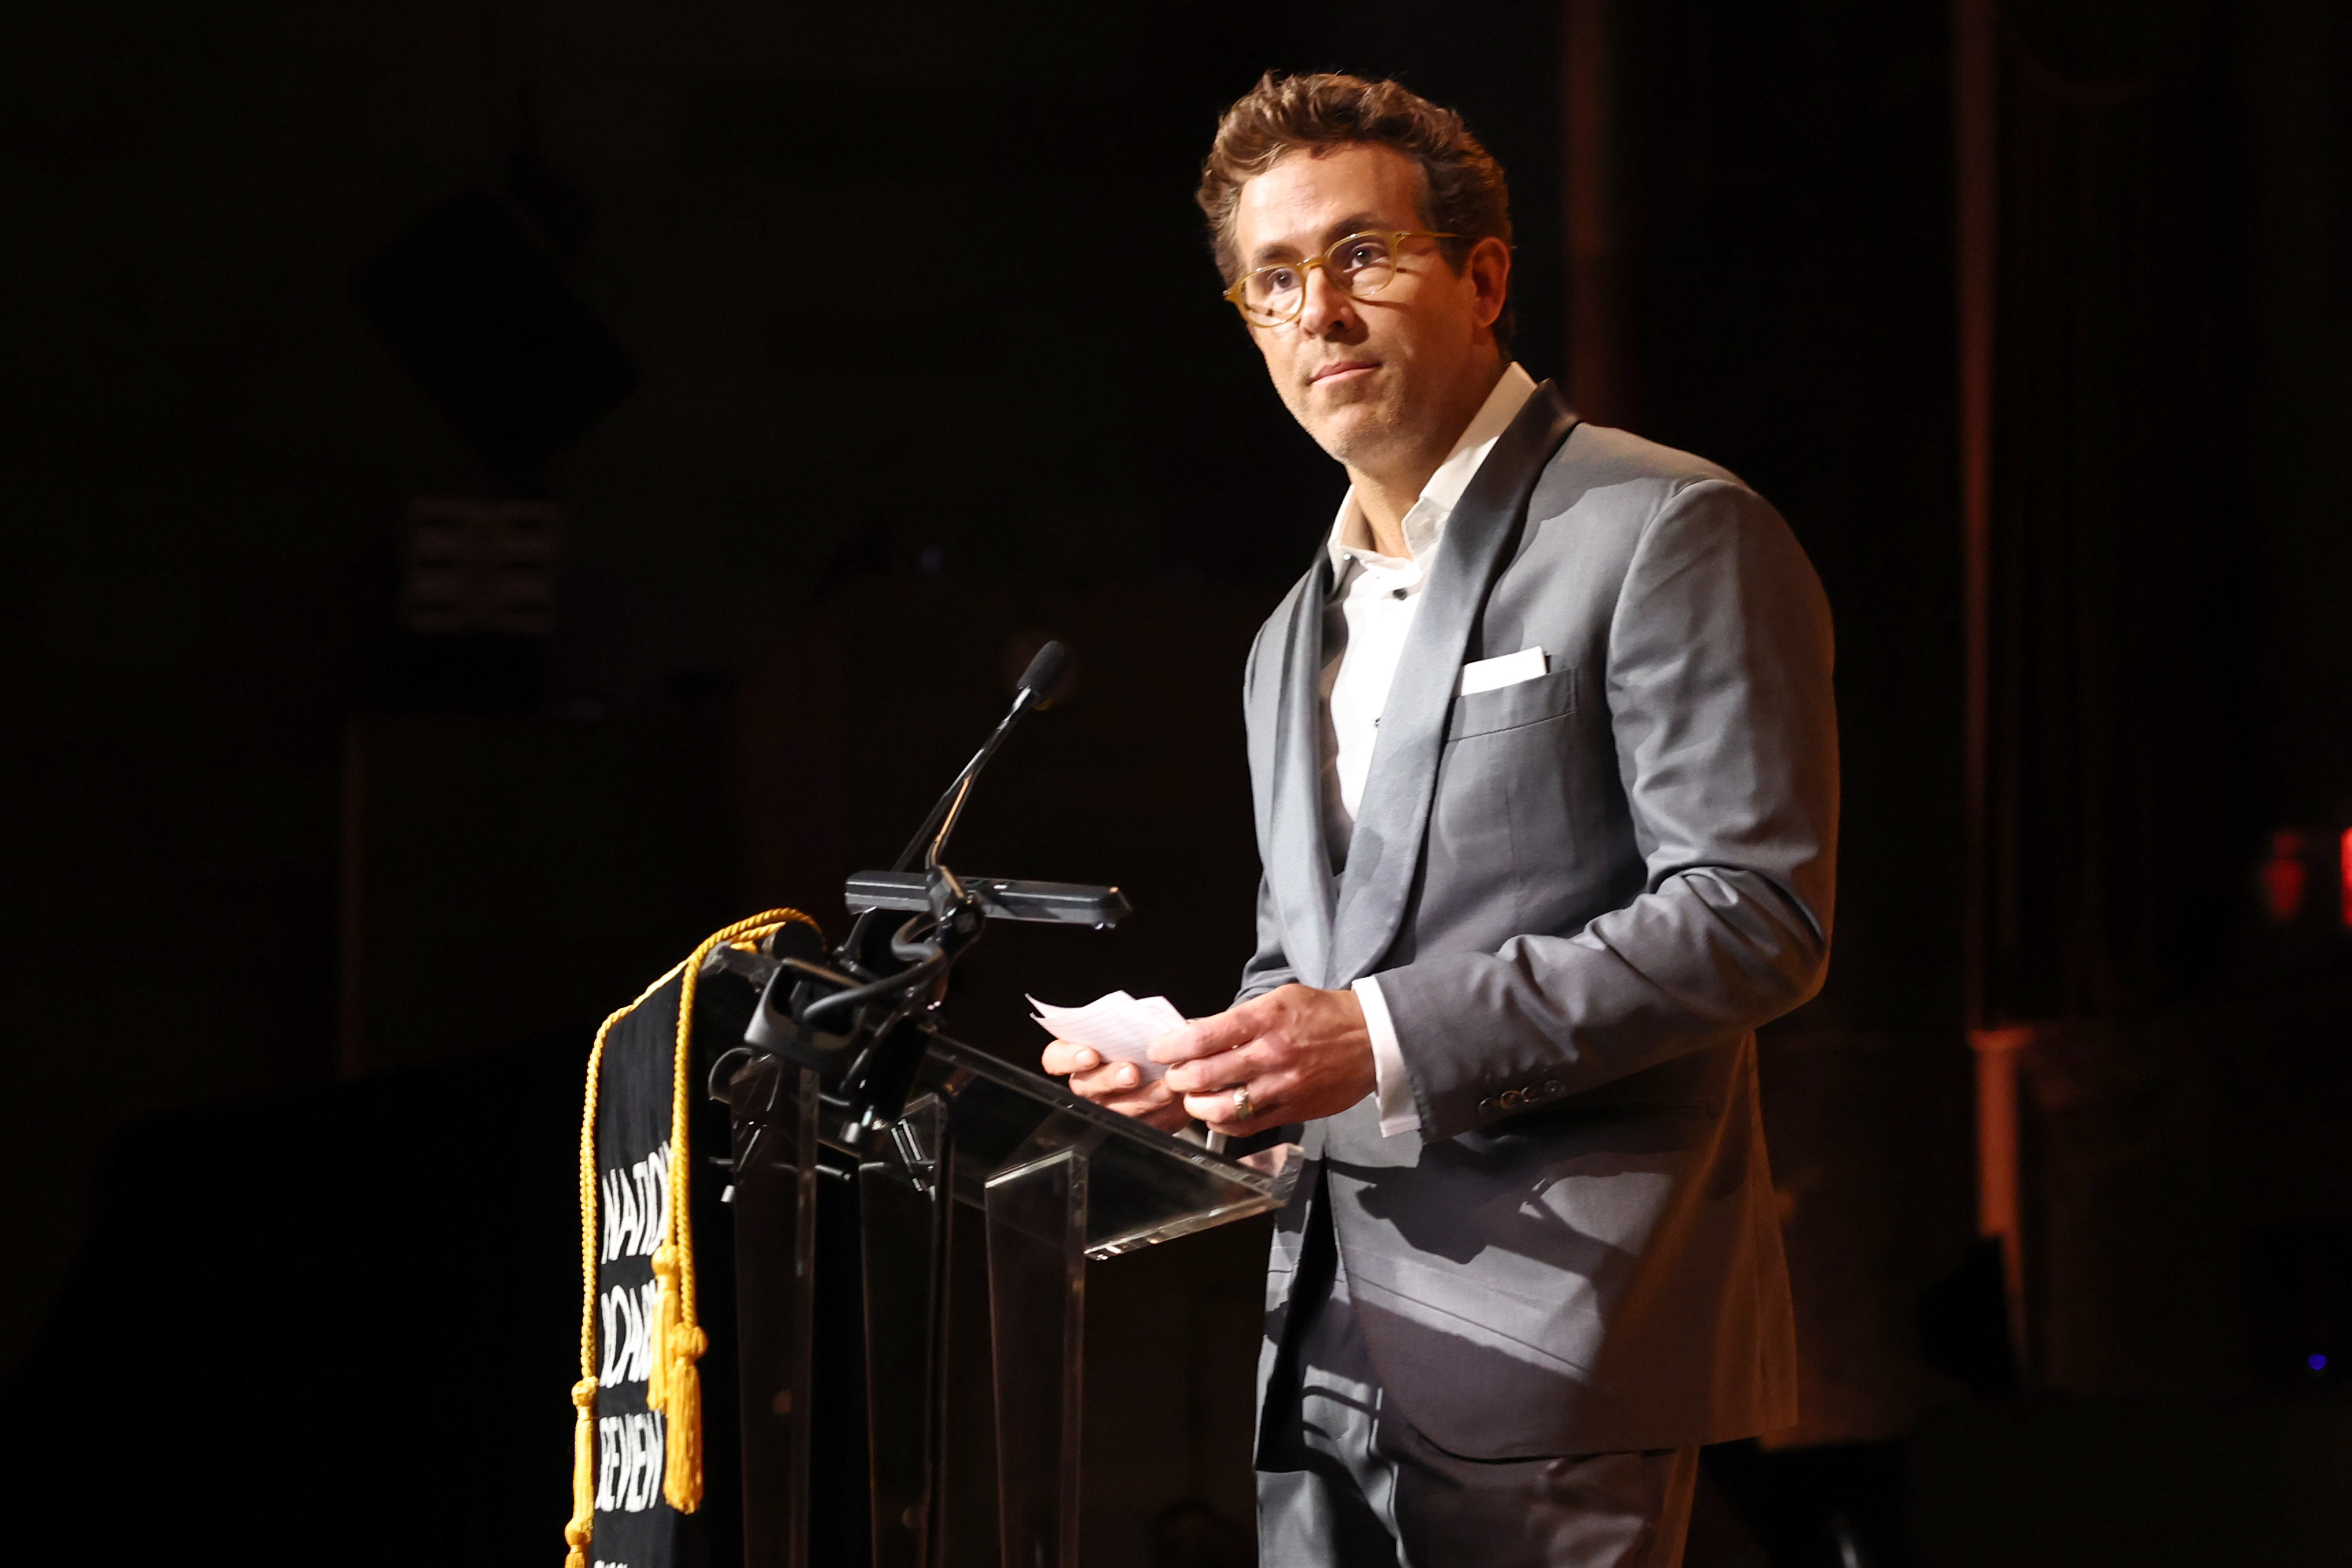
(1116, 1085)
(1301, 1052)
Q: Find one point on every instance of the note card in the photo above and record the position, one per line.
(1118, 1025)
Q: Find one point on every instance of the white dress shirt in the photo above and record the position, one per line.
(1366, 624)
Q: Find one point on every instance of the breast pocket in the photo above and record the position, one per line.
(1499, 824)
(1507, 708)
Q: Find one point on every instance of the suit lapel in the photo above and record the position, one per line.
(1301, 878)
(1390, 826)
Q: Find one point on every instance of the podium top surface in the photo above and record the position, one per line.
(1143, 1186)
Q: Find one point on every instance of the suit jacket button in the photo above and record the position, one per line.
(1511, 1099)
(1551, 1089)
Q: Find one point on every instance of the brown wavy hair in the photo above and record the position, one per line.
(1463, 190)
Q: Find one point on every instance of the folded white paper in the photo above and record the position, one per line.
(1118, 1025)
(1508, 671)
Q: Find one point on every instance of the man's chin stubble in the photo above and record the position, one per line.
(1355, 433)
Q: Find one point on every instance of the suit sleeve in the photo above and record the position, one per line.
(1269, 967)
(1725, 728)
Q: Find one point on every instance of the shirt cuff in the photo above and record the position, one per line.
(1395, 1093)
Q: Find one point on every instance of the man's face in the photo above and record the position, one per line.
(1364, 375)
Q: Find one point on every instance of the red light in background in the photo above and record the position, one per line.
(2283, 876)
(2343, 860)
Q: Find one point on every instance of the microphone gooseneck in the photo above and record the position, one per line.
(1048, 674)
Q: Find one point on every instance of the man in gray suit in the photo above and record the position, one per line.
(1544, 759)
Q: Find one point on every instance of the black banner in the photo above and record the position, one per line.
(635, 1526)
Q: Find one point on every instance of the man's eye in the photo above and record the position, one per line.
(1277, 280)
(1363, 253)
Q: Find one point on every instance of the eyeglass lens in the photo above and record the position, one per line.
(1360, 264)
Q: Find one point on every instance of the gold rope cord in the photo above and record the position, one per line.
(673, 1385)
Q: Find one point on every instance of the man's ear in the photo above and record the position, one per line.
(1488, 266)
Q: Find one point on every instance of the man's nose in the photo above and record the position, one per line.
(1327, 306)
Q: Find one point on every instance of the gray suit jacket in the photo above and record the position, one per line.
(1581, 894)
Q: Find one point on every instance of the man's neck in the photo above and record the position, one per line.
(1386, 491)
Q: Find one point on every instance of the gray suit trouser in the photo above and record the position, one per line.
(1344, 1481)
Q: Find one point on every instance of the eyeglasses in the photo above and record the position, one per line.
(1362, 264)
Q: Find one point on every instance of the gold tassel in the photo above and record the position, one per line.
(659, 1332)
(682, 1454)
(674, 1386)
(583, 1475)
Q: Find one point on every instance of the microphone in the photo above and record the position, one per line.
(875, 1069)
(1048, 674)
(1042, 681)
(865, 1023)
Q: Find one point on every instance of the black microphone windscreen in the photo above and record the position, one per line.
(1046, 675)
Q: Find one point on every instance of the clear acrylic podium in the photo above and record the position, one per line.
(1059, 1181)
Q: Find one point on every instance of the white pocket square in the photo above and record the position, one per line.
(1508, 671)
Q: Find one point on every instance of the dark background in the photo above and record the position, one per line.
(859, 346)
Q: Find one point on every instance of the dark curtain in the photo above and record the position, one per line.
(2115, 550)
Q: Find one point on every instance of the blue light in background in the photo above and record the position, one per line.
(2316, 1362)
